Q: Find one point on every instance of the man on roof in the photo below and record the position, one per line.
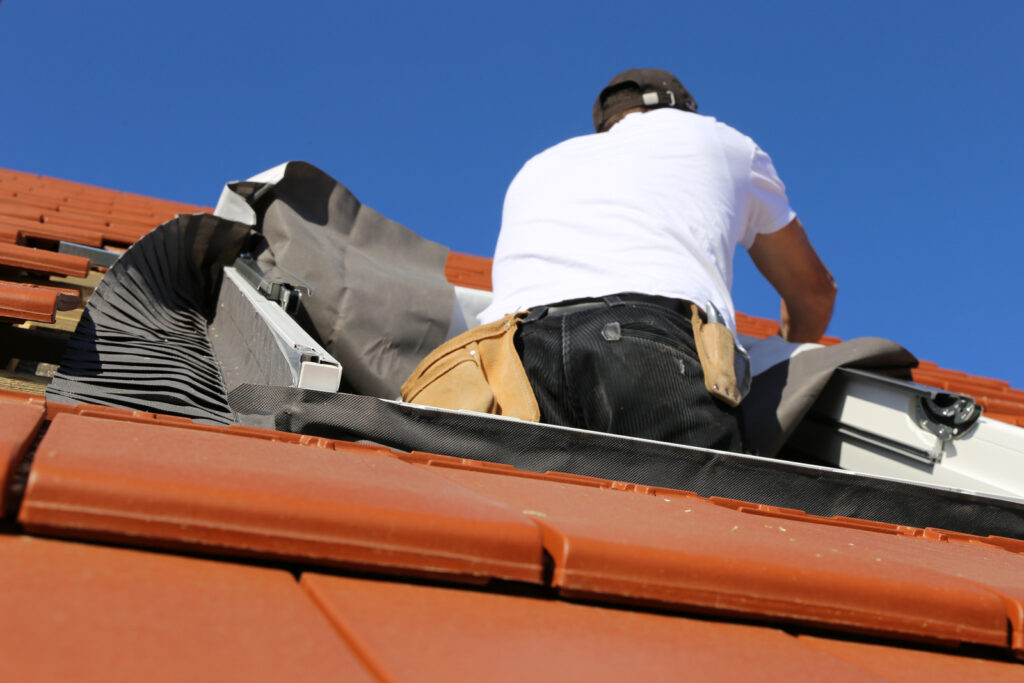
(620, 244)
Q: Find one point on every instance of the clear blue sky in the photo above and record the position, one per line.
(896, 126)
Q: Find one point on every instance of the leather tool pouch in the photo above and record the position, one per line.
(717, 352)
(478, 370)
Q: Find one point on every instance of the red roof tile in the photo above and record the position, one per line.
(203, 489)
(21, 423)
(109, 233)
(422, 633)
(79, 194)
(42, 261)
(35, 229)
(85, 613)
(171, 483)
(908, 664)
(468, 271)
(16, 210)
(117, 217)
(687, 551)
(29, 200)
(20, 301)
(9, 396)
(756, 327)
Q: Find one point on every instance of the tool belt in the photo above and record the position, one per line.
(716, 349)
(478, 370)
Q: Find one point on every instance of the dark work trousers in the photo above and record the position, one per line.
(624, 364)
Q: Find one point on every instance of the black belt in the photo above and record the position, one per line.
(680, 306)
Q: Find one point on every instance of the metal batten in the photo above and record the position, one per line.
(309, 364)
(97, 257)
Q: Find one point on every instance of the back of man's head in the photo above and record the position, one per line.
(636, 90)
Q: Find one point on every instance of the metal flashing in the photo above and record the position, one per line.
(100, 258)
(308, 365)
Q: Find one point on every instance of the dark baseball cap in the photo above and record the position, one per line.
(655, 88)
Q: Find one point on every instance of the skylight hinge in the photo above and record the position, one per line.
(947, 416)
(285, 293)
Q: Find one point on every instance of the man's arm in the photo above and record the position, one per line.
(788, 261)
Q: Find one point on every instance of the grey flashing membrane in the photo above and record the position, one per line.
(869, 423)
(262, 307)
(142, 342)
(381, 301)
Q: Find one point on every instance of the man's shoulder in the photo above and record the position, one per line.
(668, 122)
(568, 149)
(645, 133)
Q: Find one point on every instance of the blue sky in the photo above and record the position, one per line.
(895, 125)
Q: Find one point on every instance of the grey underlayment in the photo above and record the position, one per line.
(378, 298)
(142, 342)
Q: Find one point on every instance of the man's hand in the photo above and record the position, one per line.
(789, 262)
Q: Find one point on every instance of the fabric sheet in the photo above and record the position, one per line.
(379, 301)
(782, 395)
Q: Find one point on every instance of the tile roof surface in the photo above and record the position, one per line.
(151, 546)
(83, 612)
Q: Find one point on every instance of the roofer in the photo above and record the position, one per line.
(607, 239)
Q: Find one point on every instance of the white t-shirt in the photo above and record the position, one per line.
(656, 205)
